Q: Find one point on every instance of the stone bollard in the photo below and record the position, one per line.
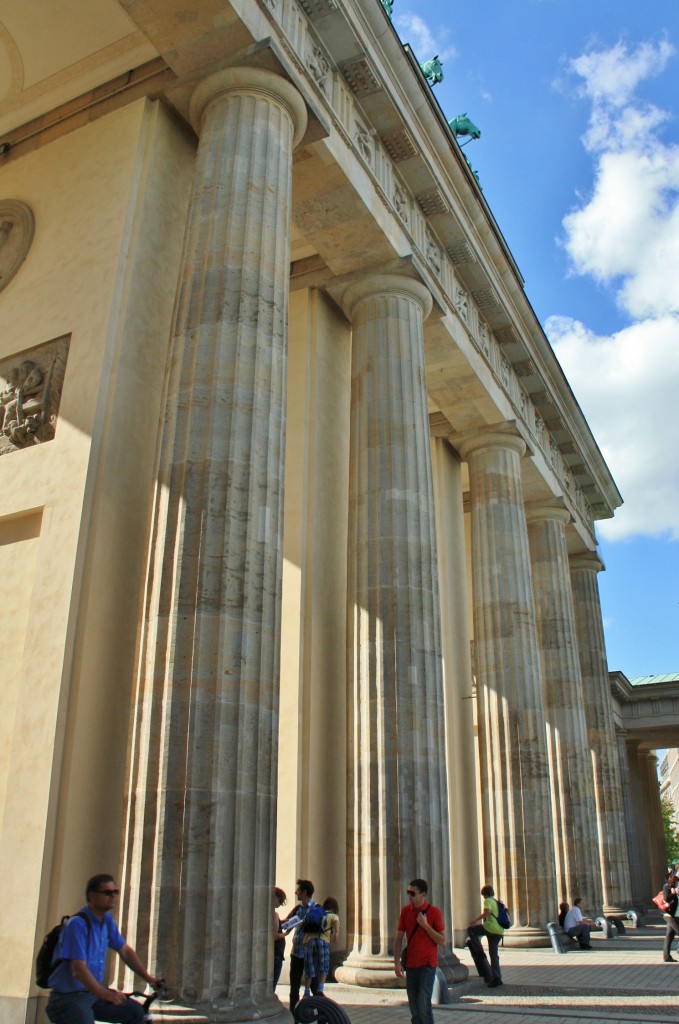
(554, 933)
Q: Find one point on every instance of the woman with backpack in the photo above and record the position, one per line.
(487, 924)
(317, 945)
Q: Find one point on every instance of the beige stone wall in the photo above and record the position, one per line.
(109, 203)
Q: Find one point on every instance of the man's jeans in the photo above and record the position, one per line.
(84, 1008)
(419, 986)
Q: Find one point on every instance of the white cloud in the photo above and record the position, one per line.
(625, 235)
(627, 387)
(414, 30)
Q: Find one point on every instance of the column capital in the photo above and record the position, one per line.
(249, 80)
(557, 513)
(386, 284)
(587, 560)
(497, 437)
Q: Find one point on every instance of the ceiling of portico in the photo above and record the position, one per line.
(56, 50)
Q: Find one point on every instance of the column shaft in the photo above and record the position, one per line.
(576, 838)
(398, 817)
(655, 833)
(516, 807)
(203, 790)
(601, 732)
(458, 683)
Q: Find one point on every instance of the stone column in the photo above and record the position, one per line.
(655, 833)
(640, 880)
(458, 683)
(601, 731)
(573, 808)
(396, 760)
(631, 824)
(515, 797)
(201, 832)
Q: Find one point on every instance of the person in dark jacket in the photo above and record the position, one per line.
(671, 893)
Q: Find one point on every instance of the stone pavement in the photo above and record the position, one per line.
(622, 980)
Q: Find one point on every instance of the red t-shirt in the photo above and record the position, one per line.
(422, 950)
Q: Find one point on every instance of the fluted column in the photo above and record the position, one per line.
(397, 797)
(573, 808)
(203, 790)
(655, 833)
(460, 732)
(640, 879)
(631, 829)
(516, 805)
(601, 732)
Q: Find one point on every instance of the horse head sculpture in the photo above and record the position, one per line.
(462, 125)
(433, 70)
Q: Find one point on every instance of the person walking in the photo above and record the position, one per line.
(317, 947)
(78, 994)
(670, 891)
(422, 925)
(487, 924)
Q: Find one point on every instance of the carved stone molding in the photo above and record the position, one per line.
(17, 226)
(30, 394)
(360, 76)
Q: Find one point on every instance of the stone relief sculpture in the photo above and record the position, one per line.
(363, 142)
(319, 67)
(462, 303)
(400, 201)
(30, 394)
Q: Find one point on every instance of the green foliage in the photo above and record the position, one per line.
(671, 833)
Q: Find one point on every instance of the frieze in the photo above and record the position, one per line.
(319, 66)
(30, 395)
(363, 140)
(400, 201)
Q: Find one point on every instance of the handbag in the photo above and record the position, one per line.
(661, 902)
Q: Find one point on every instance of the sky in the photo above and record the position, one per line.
(578, 106)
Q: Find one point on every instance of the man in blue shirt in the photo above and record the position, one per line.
(79, 995)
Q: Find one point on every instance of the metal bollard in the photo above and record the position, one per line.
(554, 933)
(633, 918)
(607, 928)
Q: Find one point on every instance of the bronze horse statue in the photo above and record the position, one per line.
(433, 70)
(462, 125)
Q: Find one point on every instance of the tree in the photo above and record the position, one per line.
(670, 829)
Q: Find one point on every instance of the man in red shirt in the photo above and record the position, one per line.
(423, 928)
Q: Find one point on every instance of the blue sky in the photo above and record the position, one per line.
(578, 106)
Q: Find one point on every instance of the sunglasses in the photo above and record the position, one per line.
(411, 892)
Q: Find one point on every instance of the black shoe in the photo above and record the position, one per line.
(585, 945)
(669, 960)
(495, 983)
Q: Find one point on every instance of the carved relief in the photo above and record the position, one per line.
(484, 340)
(434, 255)
(363, 142)
(30, 394)
(400, 201)
(504, 371)
(319, 66)
(17, 226)
(462, 303)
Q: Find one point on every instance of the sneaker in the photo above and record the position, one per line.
(495, 983)
(669, 960)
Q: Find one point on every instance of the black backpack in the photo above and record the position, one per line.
(43, 962)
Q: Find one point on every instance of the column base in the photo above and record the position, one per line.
(526, 938)
(176, 1013)
(378, 972)
(369, 972)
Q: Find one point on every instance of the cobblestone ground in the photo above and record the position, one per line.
(620, 981)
